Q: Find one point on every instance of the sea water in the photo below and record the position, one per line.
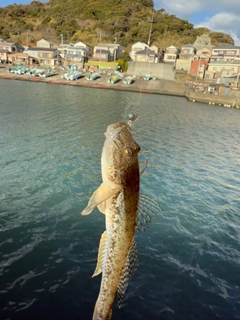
(51, 138)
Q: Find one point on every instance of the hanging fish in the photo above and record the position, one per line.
(118, 198)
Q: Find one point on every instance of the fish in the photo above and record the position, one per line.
(118, 198)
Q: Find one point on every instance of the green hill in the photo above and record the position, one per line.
(94, 21)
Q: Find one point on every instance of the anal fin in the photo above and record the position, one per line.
(130, 267)
(101, 252)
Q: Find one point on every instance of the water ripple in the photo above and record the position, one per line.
(50, 165)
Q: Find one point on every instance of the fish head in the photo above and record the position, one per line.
(119, 160)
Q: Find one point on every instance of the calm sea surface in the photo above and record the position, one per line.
(50, 146)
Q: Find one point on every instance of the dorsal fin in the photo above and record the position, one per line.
(129, 268)
(101, 253)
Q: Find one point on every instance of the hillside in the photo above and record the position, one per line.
(125, 21)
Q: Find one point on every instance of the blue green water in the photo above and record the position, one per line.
(50, 146)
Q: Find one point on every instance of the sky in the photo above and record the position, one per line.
(216, 15)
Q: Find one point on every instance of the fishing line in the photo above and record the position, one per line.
(132, 116)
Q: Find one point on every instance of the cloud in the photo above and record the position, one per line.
(224, 22)
(181, 8)
(187, 8)
(217, 15)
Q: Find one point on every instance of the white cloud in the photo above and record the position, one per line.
(217, 15)
(187, 8)
(181, 8)
(224, 22)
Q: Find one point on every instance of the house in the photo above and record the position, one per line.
(75, 55)
(6, 48)
(171, 54)
(103, 51)
(3, 55)
(136, 47)
(223, 58)
(155, 49)
(220, 69)
(101, 55)
(9, 46)
(62, 48)
(19, 58)
(185, 57)
(225, 53)
(88, 49)
(146, 55)
(44, 56)
(200, 62)
(45, 44)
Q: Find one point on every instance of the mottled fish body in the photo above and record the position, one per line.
(117, 198)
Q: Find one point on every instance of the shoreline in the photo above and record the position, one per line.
(159, 86)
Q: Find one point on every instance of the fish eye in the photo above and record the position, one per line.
(127, 151)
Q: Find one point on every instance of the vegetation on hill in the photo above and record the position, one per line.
(123, 21)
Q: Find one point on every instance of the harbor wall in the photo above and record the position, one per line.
(158, 70)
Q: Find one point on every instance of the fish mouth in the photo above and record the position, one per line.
(113, 130)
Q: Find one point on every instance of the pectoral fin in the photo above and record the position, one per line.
(128, 271)
(100, 195)
(101, 253)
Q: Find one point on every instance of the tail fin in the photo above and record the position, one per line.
(110, 315)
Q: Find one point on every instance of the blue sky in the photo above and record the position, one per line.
(217, 15)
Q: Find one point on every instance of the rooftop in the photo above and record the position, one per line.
(226, 47)
(41, 49)
(146, 51)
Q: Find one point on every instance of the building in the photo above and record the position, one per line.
(101, 55)
(219, 69)
(45, 44)
(136, 47)
(75, 55)
(7, 48)
(19, 58)
(225, 54)
(62, 48)
(200, 62)
(185, 57)
(146, 55)
(87, 48)
(43, 56)
(3, 55)
(171, 55)
(103, 51)
(225, 60)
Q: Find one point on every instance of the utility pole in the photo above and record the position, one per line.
(149, 37)
(61, 39)
(27, 38)
(237, 78)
